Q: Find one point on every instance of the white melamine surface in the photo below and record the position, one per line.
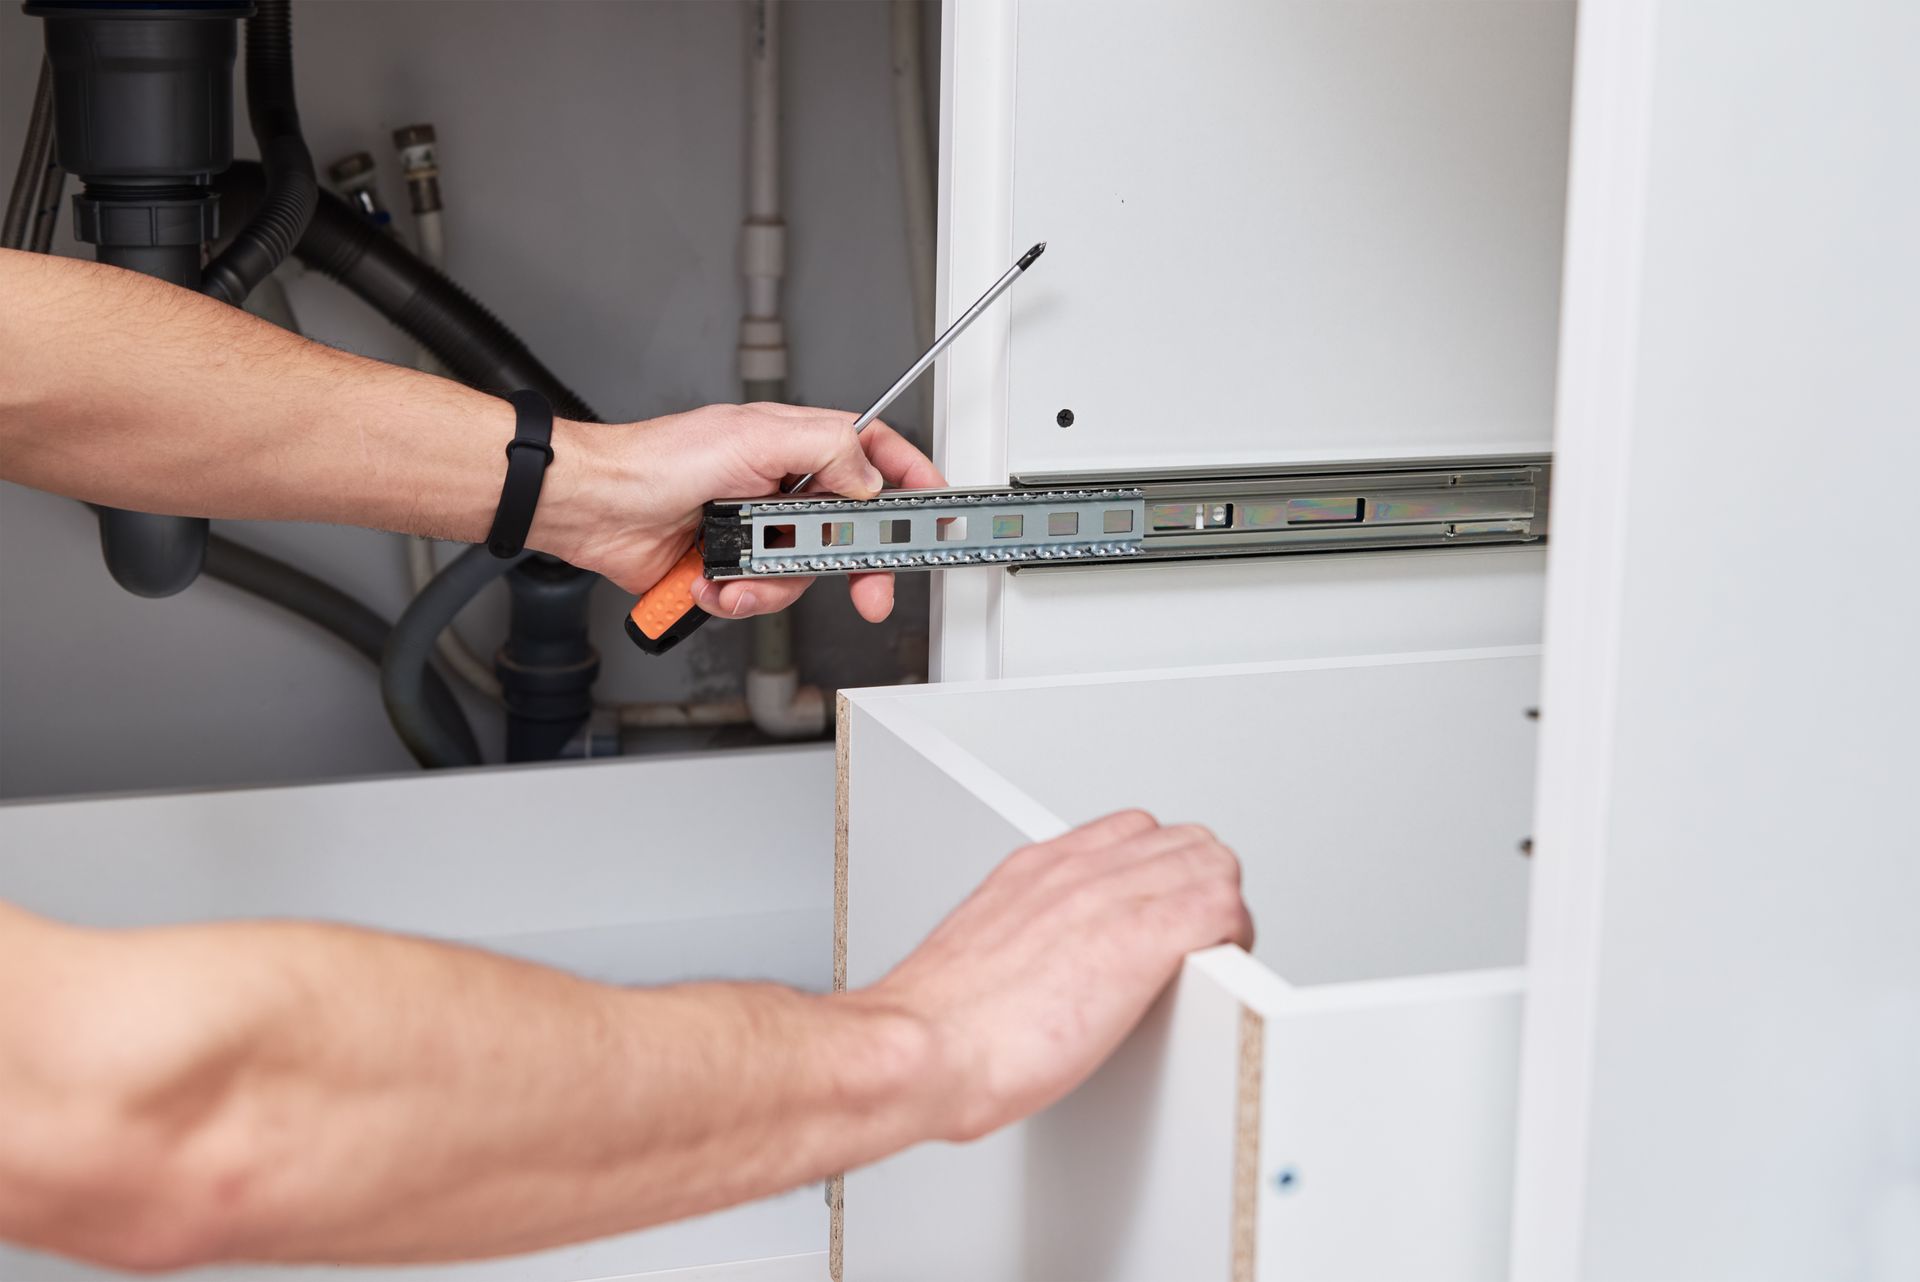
(898, 887)
(1376, 804)
(1284, 231)
(1386, 1130)
(1055, 622)
(600, 869)
(1723, 1078)
(1278, 231)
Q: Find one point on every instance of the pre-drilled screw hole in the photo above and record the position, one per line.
(1064, 418)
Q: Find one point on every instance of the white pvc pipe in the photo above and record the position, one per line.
(782, 707)
(916, 160)
(776, 701)
(763, 114)
(763, 235)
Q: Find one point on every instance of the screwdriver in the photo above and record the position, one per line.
(666, 615)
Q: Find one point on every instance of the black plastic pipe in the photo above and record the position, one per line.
(34, 153)
(547, 666)
(329, 608)
(292, 190)
(404, 667)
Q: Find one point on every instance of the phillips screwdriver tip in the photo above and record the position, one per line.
(1026, 259)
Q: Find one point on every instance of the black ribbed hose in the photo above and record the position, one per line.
(292, 190)
(404, 668)
(442, 317)
(328, 607)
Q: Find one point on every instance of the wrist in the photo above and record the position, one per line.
(904, 1065)
(577, 494)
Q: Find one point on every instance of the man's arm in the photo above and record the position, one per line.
(125, 391)
(283, 1092)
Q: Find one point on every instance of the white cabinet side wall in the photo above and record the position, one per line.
(1305, 231)
(1279, 231)
(1728, 770)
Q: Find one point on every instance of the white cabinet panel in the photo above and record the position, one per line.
(1273, 1106)
(1723, 1050)
(1309, 607)
(1280, 231)
(1286, 230)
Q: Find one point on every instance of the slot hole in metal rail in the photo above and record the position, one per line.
(897, 530)
(951, 529)
(836, 534)
(1008, 527)
(779, 536)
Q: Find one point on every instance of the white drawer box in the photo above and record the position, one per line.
(1339, 1104)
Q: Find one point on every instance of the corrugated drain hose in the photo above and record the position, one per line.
(328, 607)
(404, 668)
(449, 322)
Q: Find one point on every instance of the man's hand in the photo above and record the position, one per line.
(1037, 977)
(631, 502)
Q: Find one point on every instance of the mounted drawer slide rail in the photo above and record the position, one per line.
(1102, 520)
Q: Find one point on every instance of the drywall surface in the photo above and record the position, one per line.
(592, 162)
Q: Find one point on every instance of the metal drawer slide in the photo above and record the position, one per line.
(1101, 520)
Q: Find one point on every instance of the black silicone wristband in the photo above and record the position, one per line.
(528, 454)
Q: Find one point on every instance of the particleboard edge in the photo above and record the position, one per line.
(843, 726)
(842, 732)
(1246, 1145)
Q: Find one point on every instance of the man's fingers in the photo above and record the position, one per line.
(1158, 842)
(1242, 933)
(872, 595)
(904, 466)
(901, 464)
(822, 444)
(1107, 830)
(741, 599)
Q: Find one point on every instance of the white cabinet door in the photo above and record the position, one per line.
(1276, 1112)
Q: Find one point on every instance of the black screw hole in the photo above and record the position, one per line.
(1064, 418)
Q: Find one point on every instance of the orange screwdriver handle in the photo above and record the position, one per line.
(666, 615)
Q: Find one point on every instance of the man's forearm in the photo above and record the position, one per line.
(124, 391)
(308, 1092)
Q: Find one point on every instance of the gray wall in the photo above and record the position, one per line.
(592, 160)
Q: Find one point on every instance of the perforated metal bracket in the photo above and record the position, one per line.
(1099, 520)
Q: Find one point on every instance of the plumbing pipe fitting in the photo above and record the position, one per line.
(783, 708)
(415, 144)
(763, 335)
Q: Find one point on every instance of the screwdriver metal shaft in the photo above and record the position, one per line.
(940, 345)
